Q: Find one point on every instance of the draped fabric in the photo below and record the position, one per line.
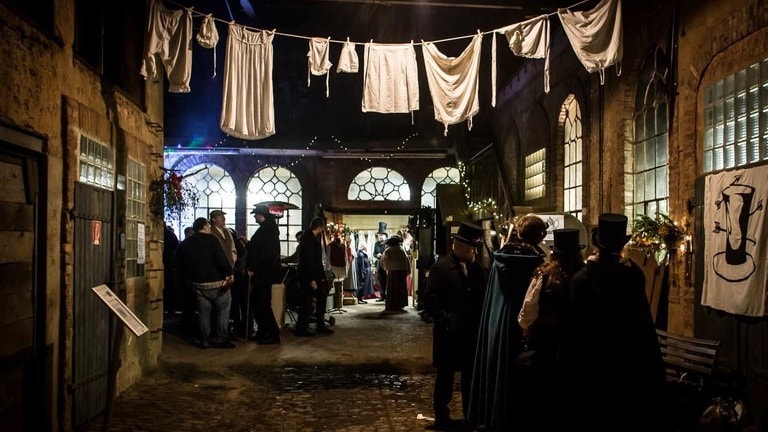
(496, 399)
(595, 35)
(247, 110)
(526, 39)
(317, 60)
(208, 37)
(348, 61)
(390, 79)
(169, 33)
(735, 242)
(453, 82)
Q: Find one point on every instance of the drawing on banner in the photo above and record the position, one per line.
(553, 222)
(734, 263)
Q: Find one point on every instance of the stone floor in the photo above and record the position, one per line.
(373, 374)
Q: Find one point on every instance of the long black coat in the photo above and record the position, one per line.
(454, 301)
(310, 260)
(495, 394)
(611, 350)
(263, 255)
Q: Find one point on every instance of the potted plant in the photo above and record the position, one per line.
(658, 235)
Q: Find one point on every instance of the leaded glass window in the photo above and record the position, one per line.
(572, 156)
(216, 190)
(96, 163)
(442, 175)
(379, 184)
(273, 183)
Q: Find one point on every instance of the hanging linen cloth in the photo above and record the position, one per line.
(348, 61)
(317, 59)
(208, 37)
(736, 242)
(247, 109)
(528, 39)
(390, 78)
(596, 36)
(453, 82)
(169, 33)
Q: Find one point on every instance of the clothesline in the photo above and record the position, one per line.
(296, 36)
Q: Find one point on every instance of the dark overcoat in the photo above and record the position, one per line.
(454, 301)
(263, 254)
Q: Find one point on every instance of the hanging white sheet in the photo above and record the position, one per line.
(736, 241)
(169, 33)
(596, 35)
(390, 79)
(528, 39)
(247, 109)
(453, 82)
(317, 60)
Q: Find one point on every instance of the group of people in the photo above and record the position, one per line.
(545, 343)
(390, 266)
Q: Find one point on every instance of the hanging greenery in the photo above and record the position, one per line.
(659, 235)
(171, 195)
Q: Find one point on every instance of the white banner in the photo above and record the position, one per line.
(735, 242)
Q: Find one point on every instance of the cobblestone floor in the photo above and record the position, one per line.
(373, 374)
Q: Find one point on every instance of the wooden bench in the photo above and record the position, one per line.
(688, 360)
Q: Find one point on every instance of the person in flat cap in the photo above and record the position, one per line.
(395, 263)
(453, 297)
(263, 263)
(609, 318)
(542, 317)
(497, 401)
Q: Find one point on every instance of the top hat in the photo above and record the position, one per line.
(566, 241)
(215, 213)
(394, 241)
(260, 209)
(611, 232)
(469, 234)
(382, 228)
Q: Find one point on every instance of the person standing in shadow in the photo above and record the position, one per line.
(263, 263)
(312, 281)
(378, 251)
(454, 299)
(364, 276)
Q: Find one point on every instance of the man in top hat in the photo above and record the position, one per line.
(610, 344)
(454, 298)
(263, 263)
(378, 251)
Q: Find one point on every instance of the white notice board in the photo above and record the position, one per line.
(120, 309)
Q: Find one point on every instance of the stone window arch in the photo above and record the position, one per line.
(442, 175)
(379, 184)
(275, 183)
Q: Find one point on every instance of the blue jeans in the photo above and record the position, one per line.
(219, 300)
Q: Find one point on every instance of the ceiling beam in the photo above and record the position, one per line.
(429, 4)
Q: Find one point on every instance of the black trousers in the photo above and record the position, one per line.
(311, 306)
(443, 392)
(261, 297)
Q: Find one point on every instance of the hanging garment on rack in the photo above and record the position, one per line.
(596, 36)
(208, 37)
(247, 109)
(317, 59)
(528, 39)
(348, 61)
(453, 82)
(390, 79)
(169, 33)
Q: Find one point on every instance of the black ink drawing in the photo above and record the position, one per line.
(735, 264)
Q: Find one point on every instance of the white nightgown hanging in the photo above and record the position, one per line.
(390, 78)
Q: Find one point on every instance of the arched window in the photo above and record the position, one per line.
(572, 155)
(274, 183)
(379, 184)
(649, 178)
(442, 175)
(216, 190)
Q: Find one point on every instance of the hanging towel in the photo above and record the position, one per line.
(169, 33)
(736, 242)
(390, 79)
(596, 36)
(526, 39)
(348, 61)
(208, 37)
(247, 109)
(453, 82)
(317, 59)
